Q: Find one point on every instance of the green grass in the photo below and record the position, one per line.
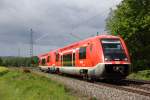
(3, 70)
(141, 75)
(15, 85)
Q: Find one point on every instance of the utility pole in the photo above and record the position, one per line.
(18, 51)
(19, 56)
(31, 45)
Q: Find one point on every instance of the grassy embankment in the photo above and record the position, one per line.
(141, 75)
(15, 85)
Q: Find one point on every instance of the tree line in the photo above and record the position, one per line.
(18, 61)
(131, 20)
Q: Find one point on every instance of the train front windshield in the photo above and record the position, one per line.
(113, 50)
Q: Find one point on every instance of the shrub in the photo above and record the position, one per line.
(3, 70)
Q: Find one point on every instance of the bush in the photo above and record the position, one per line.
(141, 75)
(3, 70)
(25, 70)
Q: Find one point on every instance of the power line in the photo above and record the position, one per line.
(75, 36)
(76, 26)
(87, 20)
(42, 37)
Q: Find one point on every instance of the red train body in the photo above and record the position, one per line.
(103, 56)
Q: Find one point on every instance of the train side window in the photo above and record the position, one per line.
(67, 60)
(48, 59)
(43, 61)
(57, 56)
(82, 53)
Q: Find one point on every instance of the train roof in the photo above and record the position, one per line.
(79, 42)
(88, 39)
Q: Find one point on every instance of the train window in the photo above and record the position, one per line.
(82, 53)
(57, 56)
(43, 61)
(67, 60)
(113, 49)
(48, 59)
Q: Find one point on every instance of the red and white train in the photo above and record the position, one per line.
(104, 57)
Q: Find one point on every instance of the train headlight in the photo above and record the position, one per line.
(107, 59)
(126, 59)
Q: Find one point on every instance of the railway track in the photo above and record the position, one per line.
(138, 84)
(129, 85)
(137, 81)
(130, 88)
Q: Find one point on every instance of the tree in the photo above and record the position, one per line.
(1, 61)
(131, 20)
(17, 61)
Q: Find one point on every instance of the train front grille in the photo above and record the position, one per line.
(117, 69)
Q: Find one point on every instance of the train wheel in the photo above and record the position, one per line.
(85, 76)
(93, 79)
(57, 71)
(49, 71)
(89, 78)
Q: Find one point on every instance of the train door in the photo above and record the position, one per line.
(82, 56)
(48, 60)
(57, 58)
(91, 55)
(73, 59)
(43, 61)
(61, 60)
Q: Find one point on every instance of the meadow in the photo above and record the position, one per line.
(16, 85)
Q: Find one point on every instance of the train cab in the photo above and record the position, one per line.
(116, 57)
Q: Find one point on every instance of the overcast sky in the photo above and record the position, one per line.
(52, 22)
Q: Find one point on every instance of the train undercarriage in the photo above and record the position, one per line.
(100, 71)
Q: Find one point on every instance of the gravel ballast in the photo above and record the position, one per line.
(94, 90)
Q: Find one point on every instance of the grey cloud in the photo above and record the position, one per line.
(52, 19)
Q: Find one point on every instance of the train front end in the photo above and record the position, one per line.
(115, 57)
